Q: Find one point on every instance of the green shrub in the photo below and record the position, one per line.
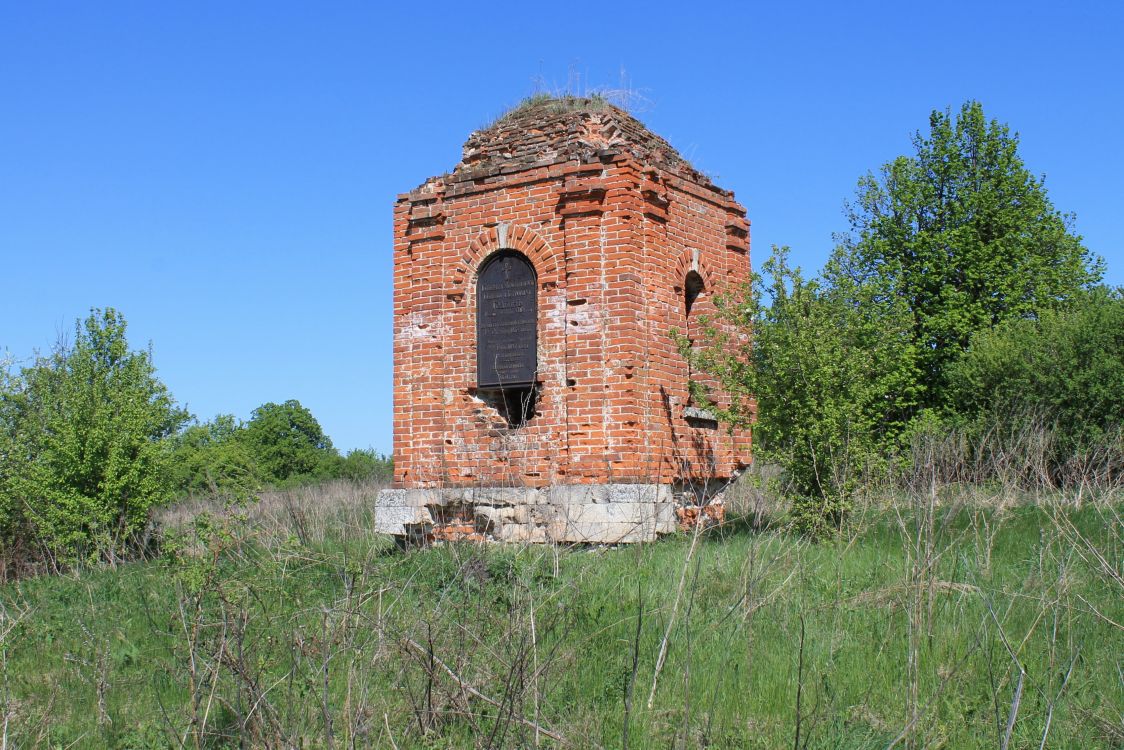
(82, 451)
(1064, 368)
(954, 248)
(210, 458)
(828, 380)
(364, 466)
(968, 236)
(281, 446)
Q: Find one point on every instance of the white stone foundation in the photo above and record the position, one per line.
(596, 513)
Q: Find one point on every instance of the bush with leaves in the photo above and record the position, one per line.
(82, 451)
(364, 465)
(210, 459)
(13, 462)
(282, 445)
(945, 244)
(1065, 368)
(828, 379)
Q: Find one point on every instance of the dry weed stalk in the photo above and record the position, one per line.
(12, 613)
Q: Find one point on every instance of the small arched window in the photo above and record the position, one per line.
(692, 288)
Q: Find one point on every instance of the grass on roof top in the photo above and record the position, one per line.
(554, 104)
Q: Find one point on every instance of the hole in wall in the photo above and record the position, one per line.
(515, 405)
(702, 423)
(692, 288)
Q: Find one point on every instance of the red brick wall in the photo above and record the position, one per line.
(612, 241)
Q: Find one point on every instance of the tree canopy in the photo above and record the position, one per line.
(960, 292)
(1064, 368)
(965, 234)
(287, 441)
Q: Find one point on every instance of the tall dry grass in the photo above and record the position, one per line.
(311, 513)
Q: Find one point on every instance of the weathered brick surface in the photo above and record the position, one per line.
(613, 220)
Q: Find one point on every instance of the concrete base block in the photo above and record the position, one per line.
(394, 516)
(599, 513)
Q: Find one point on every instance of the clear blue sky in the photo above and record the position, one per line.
(224, 173)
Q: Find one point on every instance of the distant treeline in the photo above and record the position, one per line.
(282, 445)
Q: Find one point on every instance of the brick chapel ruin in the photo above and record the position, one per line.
(538, 393)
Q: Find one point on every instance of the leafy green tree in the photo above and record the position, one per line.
(210, 458)
(365, 466)
(966, 235)
(288, 443)
(1066, 366)
(828, 379)
(83, 453)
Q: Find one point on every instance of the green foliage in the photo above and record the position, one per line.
(966, 234)
(288, 442)
(829, 376)
(210, 458)
(947, 244)
(1065, 367)
(14, 458)
(366, 465)
(82, 455)
(282, 445)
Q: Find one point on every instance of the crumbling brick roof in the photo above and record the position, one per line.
(547, 130)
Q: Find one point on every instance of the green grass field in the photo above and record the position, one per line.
(968, 628)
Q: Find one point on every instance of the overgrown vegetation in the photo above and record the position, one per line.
(966, 235)
(961, 301)
(957, 617)
(1065, 367)
(557, 103)
(282, 445)
(91, 442)
(828, 380)
(82, 458)
(944, 566)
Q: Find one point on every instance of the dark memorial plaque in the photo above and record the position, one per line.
(506, 322)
